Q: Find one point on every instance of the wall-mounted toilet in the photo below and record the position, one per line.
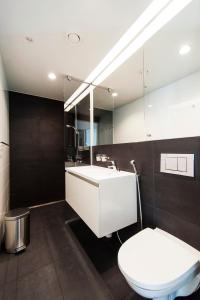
(159, 266)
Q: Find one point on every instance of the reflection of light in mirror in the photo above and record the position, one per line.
(150, 105)
(185, 104)
(185, 49)
(114, 94)
(52, 76)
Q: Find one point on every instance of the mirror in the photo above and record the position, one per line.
(172, 78)
(103, 105)
(77, 127)
(83, 123)
(158, 87)
(128, 113)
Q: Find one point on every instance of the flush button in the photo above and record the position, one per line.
(182, 164)
(171, 163)
(178, 164)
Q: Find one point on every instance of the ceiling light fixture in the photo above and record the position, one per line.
(52, 76)
(168, 12)
(114, 94)
(73, 38)
(185, 49)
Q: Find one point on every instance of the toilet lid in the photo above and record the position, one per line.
(152, 261)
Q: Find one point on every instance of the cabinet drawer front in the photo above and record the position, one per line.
(83, 197)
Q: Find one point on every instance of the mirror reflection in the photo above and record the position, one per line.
(103, 116)
(172, 76)
(128, 114)
(77, 130)
(158, 87)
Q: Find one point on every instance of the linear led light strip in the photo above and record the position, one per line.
(149, 13)
(81, 97)
(163, 18)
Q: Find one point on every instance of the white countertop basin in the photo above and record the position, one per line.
(97, 174)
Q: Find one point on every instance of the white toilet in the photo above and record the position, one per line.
(159, 266)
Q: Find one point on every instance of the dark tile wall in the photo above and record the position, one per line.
(169, 201)
(36, 150)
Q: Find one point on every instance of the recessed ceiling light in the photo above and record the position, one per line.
(184, 49)
(29, 39)
(73, 37)
(150, 105)
(114, 94)
(52, 76)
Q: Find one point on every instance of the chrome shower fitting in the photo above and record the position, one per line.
(132, 162)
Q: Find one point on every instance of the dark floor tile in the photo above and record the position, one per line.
(36, 221)
(10, 290)
(40, 285)
(102, 252)
(58, 243)
(1, 293)
(37, 240)
(134, 296)
(3, 267)
(12, 268)
(117, 283)
(74, 280)
(60, 209)
(64, 211)
(33, 259)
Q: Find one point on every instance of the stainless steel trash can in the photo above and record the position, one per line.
(17, 230)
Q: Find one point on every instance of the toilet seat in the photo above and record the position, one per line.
(152, 261)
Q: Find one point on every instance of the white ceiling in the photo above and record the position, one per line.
(100, 23)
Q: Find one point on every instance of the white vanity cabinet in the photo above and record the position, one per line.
(105, 199)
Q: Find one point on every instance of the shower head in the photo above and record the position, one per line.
(70, 126)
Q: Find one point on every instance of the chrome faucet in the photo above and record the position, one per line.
(113, 165)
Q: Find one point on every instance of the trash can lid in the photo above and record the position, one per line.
(17, 213)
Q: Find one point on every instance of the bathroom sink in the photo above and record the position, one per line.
(97, 174)
(105, 199)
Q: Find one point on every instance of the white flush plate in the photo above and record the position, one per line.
(179, 164)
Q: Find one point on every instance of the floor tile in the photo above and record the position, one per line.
(9, 292)
(39, 285)
(33, 259)
(3, 267)
(117, 283)
(12, 268)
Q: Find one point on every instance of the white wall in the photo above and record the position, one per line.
(4, 150)
(172, 111)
